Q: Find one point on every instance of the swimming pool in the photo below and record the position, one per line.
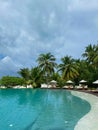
(40, 109)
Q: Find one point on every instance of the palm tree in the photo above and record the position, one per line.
(91, 59)
(90, 53)
(95, 61)
(84, 70)
(25, 73)
(69, 68)
(47, 64)
(36, 77)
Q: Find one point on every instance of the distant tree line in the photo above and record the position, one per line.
(69, 69)
(10, 81)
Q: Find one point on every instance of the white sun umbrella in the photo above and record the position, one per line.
(95, 82)
(69, 82)
(53, 81)
(83, 81)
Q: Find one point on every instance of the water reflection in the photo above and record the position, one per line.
(40, 109)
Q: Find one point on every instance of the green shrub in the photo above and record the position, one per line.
(9, 81)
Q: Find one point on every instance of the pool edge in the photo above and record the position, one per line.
(89, 121)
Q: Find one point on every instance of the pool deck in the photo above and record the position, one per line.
(89, 91)
(89, 121)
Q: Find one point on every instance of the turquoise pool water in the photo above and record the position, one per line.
(40, 109)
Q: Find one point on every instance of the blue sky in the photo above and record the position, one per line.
(31, 27)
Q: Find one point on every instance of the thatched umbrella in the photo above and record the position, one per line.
(83, 82)
(69, 82)
(95, 82)
(53, 83)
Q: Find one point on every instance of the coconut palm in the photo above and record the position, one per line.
(36, 77)
(69, 68)
(90, 53)
(25, 73)
(47, 64)
(95, 61)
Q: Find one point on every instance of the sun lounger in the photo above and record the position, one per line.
(94, 90)
(68, 87)
(44, 86)
(80, 87)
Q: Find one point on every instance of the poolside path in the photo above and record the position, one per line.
(90, 92)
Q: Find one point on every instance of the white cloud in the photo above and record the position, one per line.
(8, 66)
(6, 60)
(83, 5)
(28, 28)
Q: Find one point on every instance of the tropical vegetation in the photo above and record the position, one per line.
(68, 69)
(47, 64)
(10, 81)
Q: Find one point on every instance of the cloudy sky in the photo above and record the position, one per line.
(31, 27)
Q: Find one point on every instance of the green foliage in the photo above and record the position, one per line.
(69, 69)
(91, 59)
(9, 81)
(25, 73)
(91, 54)
(36, 77)
(57, 77)
(47, 65)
